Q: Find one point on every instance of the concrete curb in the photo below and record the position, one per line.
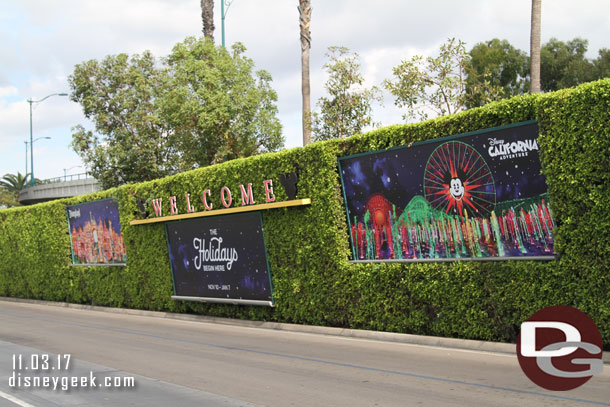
(450, 343)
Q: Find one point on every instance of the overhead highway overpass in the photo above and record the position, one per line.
(57, 188)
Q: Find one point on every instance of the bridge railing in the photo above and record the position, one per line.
(64, 178)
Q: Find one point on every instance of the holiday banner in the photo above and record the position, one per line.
(479, 195)
(95, 233)
(220, 258)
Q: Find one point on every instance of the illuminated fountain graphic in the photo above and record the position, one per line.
(457, 216)
(523, 227)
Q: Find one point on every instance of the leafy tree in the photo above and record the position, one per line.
(13, 183)
(564, 65)
(154, 118)
(348, 108)
(131, 142)
(10, 185)
(7, 199)
(601, 65)
(497, 70)
(497, 63)
(304, 24)
(217, 108)
(436, 84)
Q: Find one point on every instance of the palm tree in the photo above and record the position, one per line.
(207, 17)
(305, 20)
(535, 47)
(14, 183)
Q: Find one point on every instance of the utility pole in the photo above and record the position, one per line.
(31, 102)
(223, 14)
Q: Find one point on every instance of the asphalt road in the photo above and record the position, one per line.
(180, 363)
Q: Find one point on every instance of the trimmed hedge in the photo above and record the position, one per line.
(308, 247)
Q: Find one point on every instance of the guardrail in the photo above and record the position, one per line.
(59, 187)
(65, 178)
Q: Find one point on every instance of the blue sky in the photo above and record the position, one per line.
(41, 41)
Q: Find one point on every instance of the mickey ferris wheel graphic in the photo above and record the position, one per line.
(458, 180)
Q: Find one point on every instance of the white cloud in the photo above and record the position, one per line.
(14, 117)
(7, 91)
(40, 42)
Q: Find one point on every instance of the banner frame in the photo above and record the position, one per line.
(448, 260)
(354, 259)
(233, 301)
(73, 264)
(223, 300)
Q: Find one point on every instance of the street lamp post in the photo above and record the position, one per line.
(30, 101)
(223, 14)
(26, 160)
(26, 151)
(68, 169)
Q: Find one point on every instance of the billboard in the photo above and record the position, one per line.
(479, 195)
(220, 259)
(95, 234)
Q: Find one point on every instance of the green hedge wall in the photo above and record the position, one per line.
(308, 247)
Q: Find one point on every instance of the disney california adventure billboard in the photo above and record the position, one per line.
(474, 196)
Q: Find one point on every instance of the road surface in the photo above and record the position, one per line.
(181, 363)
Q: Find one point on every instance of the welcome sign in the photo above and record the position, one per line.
(220, 259)
(473, 196)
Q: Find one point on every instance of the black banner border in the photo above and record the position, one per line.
(415, 144)
(234, 301)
